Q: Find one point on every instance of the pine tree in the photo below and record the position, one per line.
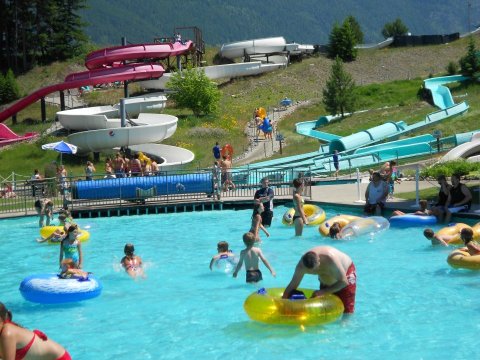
(11, 91)
(470, 63)
(396, 28)
(342, 42)
(357, 30)
(339, 93)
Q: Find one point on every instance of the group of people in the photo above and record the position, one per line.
(263, 124)
(335, 269)
(451, 199)
(123, 166)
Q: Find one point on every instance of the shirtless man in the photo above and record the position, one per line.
(119, 166)
(250, 255)
(226, 165)
(336, 273)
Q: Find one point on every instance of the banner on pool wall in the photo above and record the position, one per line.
(143, 187)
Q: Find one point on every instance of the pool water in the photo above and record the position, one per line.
(410, 303)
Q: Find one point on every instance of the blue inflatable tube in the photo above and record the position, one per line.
(50, 289)
(143, 186)
(412, 220)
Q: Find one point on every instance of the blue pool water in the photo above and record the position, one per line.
(410, 303)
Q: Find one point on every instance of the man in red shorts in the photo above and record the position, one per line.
(336, 273)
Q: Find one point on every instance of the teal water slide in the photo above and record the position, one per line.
(368, 147)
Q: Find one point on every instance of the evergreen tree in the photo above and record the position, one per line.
(357, 30)
(470, 63)
(10, 88)
(339, 93)
(396, 28)
(195, 91)
(342, 42)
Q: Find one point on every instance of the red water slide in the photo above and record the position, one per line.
(7, 136)
(107, 66)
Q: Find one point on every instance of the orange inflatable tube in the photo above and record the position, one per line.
(227, 151)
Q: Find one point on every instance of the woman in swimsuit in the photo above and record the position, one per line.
(131, 262)
(258, 209)
(299, 218)
(17, 343)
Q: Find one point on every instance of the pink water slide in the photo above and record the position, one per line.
(8, 137)
(107, 65)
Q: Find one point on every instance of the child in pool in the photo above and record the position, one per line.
(422, 212)
(258, 209)
(471, 246)
(223, 254)
(250, 256)
(70, 247)
(131, 262)
(44, 209)
(68, 271)
(437, 239)
(59, 234)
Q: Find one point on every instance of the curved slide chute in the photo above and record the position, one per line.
(106, 66)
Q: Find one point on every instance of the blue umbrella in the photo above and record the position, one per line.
(62, 147)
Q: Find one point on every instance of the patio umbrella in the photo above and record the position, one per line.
(62, 147)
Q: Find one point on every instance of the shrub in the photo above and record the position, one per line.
(452, 68)
(448, 168)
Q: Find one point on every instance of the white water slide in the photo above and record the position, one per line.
(469, 150)
(100, 129)
(218, 72)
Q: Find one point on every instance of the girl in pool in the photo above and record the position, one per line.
(299, 218)
(131, 262)
(70, 247)
(258, 209)
(17, 342)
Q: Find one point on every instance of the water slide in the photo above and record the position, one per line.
(351, 146)
(218, 72)
(465, 150)
(8, 137)
(107, 66)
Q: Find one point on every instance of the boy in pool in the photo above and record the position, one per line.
(223, 254)
(58, 235)
(422, 212)
(44, 208)
(437, 239)
(471, 246)
(250, 256)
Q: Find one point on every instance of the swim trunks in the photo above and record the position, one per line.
(347, 294)
(65, 356)
(254, 276)
(267, 216)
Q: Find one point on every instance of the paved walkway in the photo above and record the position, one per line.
(260, 148)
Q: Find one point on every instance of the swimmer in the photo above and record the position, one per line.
(44, 209)
(471, 246)
(250, 256)
(131, 262)
(223, 254)
(422, 212)
(70, 247)
(257, 225)
(437, 239)
(335, 231)
(58, 235)
(69, 271)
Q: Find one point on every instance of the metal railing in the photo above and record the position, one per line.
(107, 192)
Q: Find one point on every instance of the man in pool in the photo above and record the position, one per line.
(336, 273)
(440, 239)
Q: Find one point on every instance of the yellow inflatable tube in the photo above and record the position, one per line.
(343, 220)
(460, 259)
(476, 231)
(455, 231)
(46, 231)
(315, 215)
(267, 306)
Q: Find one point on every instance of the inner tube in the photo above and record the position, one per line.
(46, 231)
(343, 220)
(227, 151)
(267, 306)
(50, 289)
(363, 226)
(225, 264)
(315, 215)
(460, 259)
(409, 220)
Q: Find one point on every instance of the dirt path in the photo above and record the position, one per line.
(260, 148)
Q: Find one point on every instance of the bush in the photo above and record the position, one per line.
(452, 68)
(448, 168)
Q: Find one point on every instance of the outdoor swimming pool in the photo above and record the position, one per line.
(410, 303)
